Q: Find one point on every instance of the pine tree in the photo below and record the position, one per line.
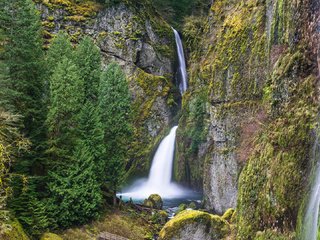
(88, 59)
(115, 112)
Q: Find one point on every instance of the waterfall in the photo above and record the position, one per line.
(311, 218)
(160, 175)
(159, 180)
(182, 63)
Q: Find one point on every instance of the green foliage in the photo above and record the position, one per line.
(11, 141)
(75, 192)
(66, 100)
(30, 211)
(174, 11)
(115, 112)
(21, 82)
(88, 59)
(60, 47)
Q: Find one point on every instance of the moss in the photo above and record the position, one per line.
(50, 236)
(218, 227)
(127, 223)
(154, 201)
(273, 235)
(228, 214)
(14, 232)
(194, 132)
(153, 87)
(48, 24)
(76, 18)
(272, 183)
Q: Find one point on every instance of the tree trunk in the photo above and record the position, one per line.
(114, 198)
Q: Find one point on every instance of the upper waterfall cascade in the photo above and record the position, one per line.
(160, 175)
(182, 63)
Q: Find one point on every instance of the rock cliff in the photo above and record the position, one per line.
(247, 120)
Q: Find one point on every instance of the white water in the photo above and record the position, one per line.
(160, 175)
(310, 224)
(182, 63)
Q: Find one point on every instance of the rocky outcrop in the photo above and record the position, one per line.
(192, 224)
(134, 35)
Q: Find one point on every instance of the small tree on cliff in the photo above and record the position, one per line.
(115, 112)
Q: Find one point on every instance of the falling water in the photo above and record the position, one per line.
(182, 63)
(160, 175)
(310, 224)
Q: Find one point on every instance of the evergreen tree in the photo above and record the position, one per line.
(115, 112)
(75, 191)
(22, 84)
(60, 48)
(66, 100)
(92, 135)
(88, 59)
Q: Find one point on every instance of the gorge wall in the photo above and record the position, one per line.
(247, 120)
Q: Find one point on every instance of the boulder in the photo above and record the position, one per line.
(193, 224)
(50, 236)
(154, 201)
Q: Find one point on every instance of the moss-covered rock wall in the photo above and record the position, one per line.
(254, 64)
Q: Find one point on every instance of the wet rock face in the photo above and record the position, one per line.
(142, 43)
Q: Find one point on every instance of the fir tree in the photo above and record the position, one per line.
(75, 192)
(115, 111)
(92, 134)
(88, 59)
(59, 49)
(66, 100)
(21, 83)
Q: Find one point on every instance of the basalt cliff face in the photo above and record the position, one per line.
(134, 35)
(248, 118)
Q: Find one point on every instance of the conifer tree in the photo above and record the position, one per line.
(115, 112)
(75, 191)
(66, 100)
(92, 135)
(88, 59)
(22, 84)
(60, 48)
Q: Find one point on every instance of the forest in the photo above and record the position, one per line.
(159, 119)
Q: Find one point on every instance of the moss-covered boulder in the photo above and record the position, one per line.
(192, 224)
(154, 201)
(13, 231)
(50, 236)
